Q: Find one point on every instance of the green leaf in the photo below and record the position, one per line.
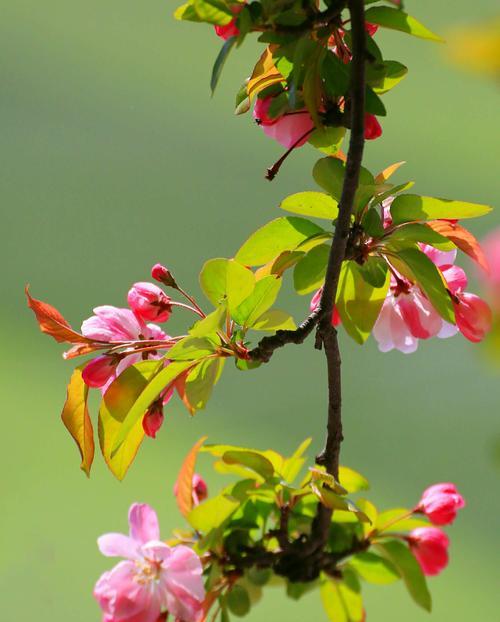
(340, 601)
(210, 324)
(251, 460)
(372, 223)
(312, 204)
(238, 601)
(374, 569)
(406, 564)
(310, 271)
(386, 75)
(408, 207)
(358, 302)
(226, 279)
(396, 19)
(192, 349)
(374, 271)
(220, 62)
(274, 319)
(340, 504)
(116, 405)
(201, 381)
(335, 74)
(213, 11)
(418, 232)
(277, 236)
(124, 405)
(212, 513)
(260, 300)
(374, 104)
(417, 267)
(76, 418)
(329, 173)
(391, 192)
(327, 139)
(351, 480)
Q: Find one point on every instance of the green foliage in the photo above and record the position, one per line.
(410, 207)
(312, 204)
(396, 19)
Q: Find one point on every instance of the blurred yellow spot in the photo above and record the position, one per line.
(477, 47)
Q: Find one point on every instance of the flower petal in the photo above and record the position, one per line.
(118, 545)
(143, 523)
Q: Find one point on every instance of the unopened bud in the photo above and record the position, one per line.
(163, 275)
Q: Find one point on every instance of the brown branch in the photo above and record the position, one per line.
(327, 334)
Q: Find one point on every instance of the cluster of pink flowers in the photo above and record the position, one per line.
(154, 578)
(292, 129)
(440, 504)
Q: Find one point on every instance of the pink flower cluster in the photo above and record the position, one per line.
(154, 578)
(440, 504)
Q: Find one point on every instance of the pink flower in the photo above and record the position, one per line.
(373, 129)
(149, 302)
(163, 275)
(116, 325)
(231, 29)
(491, 247)
(440, 503)
(430, 547)
(290, 129)
(473, 316)
(315, 304)
(154, 577)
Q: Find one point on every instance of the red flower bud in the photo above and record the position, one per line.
(430, 547)
(163, 275)
(371, 29)
(231, 29)
(440, 503)
(373, 129)
(153, 419)
(98, 371)
(473, 316)
(149, 302)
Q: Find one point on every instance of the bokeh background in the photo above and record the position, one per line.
(113, 157)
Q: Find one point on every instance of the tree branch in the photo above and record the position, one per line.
(330, 455)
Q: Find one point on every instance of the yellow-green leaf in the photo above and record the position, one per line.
(76, 418)
(410, 207)
(312, 204)
(395, 19)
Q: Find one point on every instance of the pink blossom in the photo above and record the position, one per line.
(153, 579)
(430, 547)
(473, 316)
(290, 129)
(230, 29)
(162, 274)
(199, 489)
(440, 503)
(149, 302)
(115, 325)
(373, 129)
(315, 304)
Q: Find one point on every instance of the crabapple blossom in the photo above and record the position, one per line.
(440, 503)
(153, 419)
(290, 129)
(112, 325)
(155, 577)
(430, 547)
(473, 316)
(149, 302)
(199, 489)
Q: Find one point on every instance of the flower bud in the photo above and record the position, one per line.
(430, 547)
(200, 489)
(231, 29)
(98, 371)
(149, 302)
(473, 316)
(163, 275)
(440, 503)
(373, 129)
(153, 419)
(314, 304)
(371, 29)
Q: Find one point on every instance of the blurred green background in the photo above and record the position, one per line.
(113, 157)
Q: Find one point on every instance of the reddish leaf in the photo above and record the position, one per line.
(388, 172)
(75, 416)
(462, 238)
(83, 348)
(180, 385)
(53, 323)
(184, 484)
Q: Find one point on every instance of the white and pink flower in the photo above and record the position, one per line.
(154, 578)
